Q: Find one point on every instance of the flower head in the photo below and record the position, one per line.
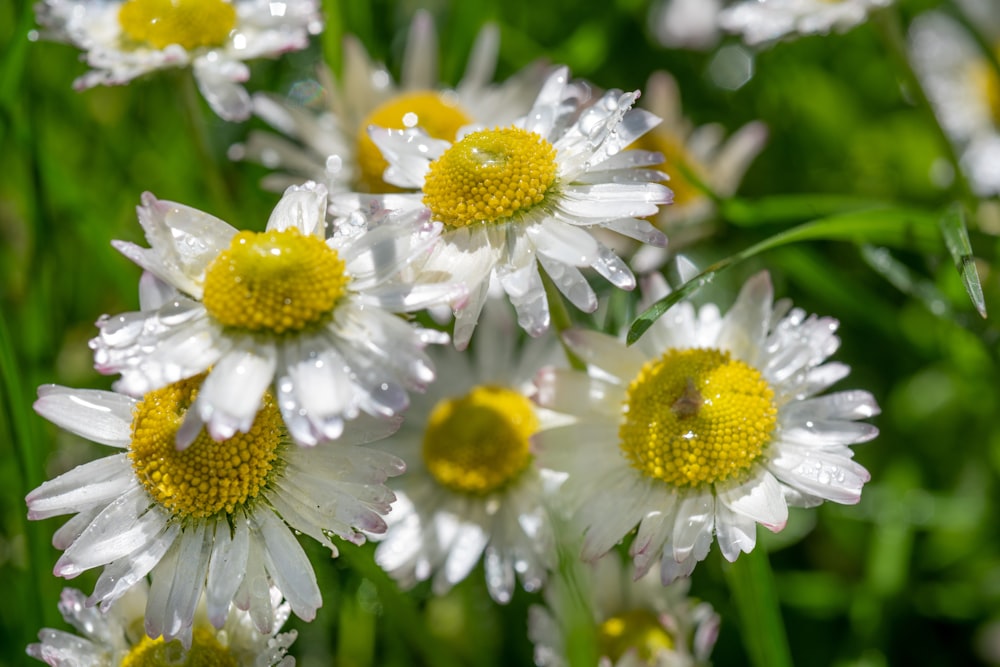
(706, 427)
(692, 154)
(637, 622)
(472, 490)
(117, 637)
(513, 198)
(761, 21)
(214, 518)
(124, 39)
(964, 90)
(312, 317)
(332, 146)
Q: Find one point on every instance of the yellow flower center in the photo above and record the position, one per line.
(190, 23)
(478, 442)
(490, 176)
(208, 477)
(678, 161)
(205, 651)
(437, 115)
(640, 630)
(696, 417)
(274, 281)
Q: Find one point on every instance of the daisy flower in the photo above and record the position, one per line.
(116, 638)
(761, 21)
(704, 428)
(702, 153)
(964, 90)
(471, 490)
(217, 518)
(314, 318)
(124, 39)
(332, 145)
(513, 198)
(638, 622)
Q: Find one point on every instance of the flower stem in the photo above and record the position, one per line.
(751, 582)
(561, 320)
(198, 130)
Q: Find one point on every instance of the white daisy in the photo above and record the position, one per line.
(514, 197)
(471, 490)
(702, 153)
(314, 318)
(761, 21)
(638, 622)
(124, 39)
(117, 638)
(964, 91)
(217, 517)
(332, 146)
(704, 428)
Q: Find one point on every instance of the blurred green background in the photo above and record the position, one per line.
(909, 576)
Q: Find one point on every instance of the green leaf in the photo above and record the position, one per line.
(888, 226)
(956, 239)
(791, 208)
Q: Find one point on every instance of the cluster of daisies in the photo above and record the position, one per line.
(356, 370)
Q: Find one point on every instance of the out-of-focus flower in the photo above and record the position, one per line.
(964, 89)
(700, 153)
(761, 21)
(638, 622)
(513, 198)
(706, 427)
(314, 317)
(472, 490)
(332, 146)
(215, 518)
(686, 24)
(123, 39)
(117, 638)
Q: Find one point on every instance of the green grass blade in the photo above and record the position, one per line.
(956, 238)
(890, 226)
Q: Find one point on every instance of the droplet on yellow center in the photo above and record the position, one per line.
(190, 23)
(696, 417)
(206, 651)
(639, 630)
(480, 441)
(437, 115)
(208, 477)
(490, 176)
(678, 163)
(274, 281)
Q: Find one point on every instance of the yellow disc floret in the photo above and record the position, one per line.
(208, 477)
(987, 81)
(439, 117)
(639, 630)
(206, 651)
(490, 176)
(696, 417)
(274, 282)
(480, 441)
(190, 23)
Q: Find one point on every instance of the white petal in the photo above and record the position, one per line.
(734, 531)
(226, 568)
(99, 416)
(288, 565)
(231, 394)
(85, 486)
(302, 207)
(693, 531)
(759, 498)
(745, 326)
